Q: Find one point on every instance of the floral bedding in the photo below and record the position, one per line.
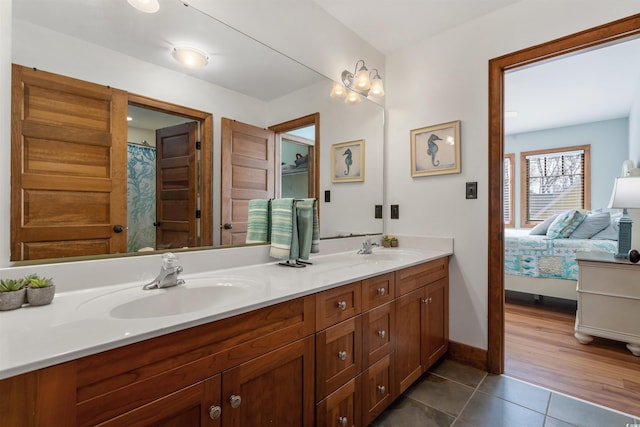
(539, 256)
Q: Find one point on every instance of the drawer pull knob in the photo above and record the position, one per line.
(342, 355)
(235, 401)
(215, 412)
(382, 334)
(382, 291)
(381, 389)
(343, 421)
(342, 305)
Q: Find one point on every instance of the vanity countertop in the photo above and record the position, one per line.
(88, 321)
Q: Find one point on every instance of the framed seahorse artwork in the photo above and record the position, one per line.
(435, 150)
(347, 161)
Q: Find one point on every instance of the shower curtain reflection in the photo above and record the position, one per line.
(141, 197)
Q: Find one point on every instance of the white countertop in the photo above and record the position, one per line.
(81, 322)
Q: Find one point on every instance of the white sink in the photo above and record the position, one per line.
(384, 254)
(196, 294)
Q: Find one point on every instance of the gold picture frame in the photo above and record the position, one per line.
(347, 161)
(435, 150)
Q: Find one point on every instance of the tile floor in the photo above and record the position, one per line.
(452, 394)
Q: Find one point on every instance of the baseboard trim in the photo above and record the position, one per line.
(468, 355)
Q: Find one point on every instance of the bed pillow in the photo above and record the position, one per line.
(611, 231)
(541, 229)
(566, 223)
(592, 224)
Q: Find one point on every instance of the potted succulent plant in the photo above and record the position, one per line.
(386, 241)
(40, 290)
(394, 241)
(12, 292)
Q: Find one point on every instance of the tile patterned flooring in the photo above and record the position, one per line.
(452, 394)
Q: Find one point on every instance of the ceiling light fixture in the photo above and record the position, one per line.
(360, 82)
(147, 6)
(190, 57)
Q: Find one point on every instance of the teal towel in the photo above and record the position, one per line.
(258, 222)
(304, 211)
(315, 236)
(284, 230)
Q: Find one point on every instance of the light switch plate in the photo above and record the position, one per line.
(395, 212)
(472, 190)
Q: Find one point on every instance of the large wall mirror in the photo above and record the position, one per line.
(116, 46)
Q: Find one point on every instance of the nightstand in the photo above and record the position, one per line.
(608, 299)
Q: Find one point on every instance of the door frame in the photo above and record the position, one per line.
(205, 162)
(592, 38)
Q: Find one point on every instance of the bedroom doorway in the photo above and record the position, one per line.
(612, 33)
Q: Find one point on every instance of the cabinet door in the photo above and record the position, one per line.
(409, 324)
(436, 334)
(376, 383)
(338, 355)
(342, 407)
(274, 389)
(378, 333)
(195, 405)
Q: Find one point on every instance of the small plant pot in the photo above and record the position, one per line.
(40, 296)
(394, 243)
(11, 300)
(386, 243)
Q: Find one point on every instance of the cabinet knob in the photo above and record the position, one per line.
(342, 355)
(214, 412)
(427, 300)
(382, 291)
(235, 401)
(342, 305)
(342, 421)
(382, 334)
(381, 389)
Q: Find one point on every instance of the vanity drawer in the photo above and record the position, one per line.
(376, 392)
(342, 407)
(338, 304)
(338, 355)
(378, 333)
(411, 278)
(378, 290)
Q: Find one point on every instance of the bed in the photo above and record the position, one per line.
(539, 265)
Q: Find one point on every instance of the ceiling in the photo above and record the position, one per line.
(597, 85)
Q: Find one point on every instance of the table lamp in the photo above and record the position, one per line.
(626, 195)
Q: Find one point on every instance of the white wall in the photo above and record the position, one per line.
(5, 126)
(445, 78)
(608, 140)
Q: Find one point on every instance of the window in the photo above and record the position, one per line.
(553, 181)
(508, 186)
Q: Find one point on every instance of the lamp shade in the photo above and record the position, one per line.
(338, 91)
(626, 193)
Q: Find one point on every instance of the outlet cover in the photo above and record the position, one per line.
(327, 196)
(378, 212)
(395, 212)
(472, 190)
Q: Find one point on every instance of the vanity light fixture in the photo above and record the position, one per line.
(190, 57)
(147, 6)
(360, 82)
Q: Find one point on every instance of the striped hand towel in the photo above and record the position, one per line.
(308, 229)
(284, 230)
(258, 222)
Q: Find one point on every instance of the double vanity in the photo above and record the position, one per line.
(330, 344)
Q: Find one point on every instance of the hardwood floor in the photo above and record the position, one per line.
(540, 349)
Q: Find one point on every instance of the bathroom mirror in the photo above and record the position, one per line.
(112, 44)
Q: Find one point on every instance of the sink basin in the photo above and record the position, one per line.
(196, 294)
(390, 255)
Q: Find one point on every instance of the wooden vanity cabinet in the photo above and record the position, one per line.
(337, 357)
(422, 320)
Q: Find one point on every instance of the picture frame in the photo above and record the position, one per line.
(347, 161)
(435, 150)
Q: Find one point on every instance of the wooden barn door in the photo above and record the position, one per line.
(68, 167)
(177, 186)
(248, 172)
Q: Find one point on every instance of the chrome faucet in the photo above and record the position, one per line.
(367, 247)
(168, 273)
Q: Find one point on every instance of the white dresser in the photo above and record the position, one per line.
(608, 299)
